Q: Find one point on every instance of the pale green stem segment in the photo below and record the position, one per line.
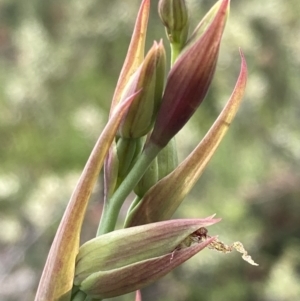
(80, 296)
(113, 205)
(175, 51)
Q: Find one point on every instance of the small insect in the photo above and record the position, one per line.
(201, 235)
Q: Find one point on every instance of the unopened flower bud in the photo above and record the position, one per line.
(149, 79)
(189, 80)
(122, 261)
(174, 16)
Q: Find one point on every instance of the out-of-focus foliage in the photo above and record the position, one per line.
(59, 62)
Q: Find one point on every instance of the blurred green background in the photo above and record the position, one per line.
(59, 63)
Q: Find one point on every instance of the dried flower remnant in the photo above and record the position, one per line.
(201, 235)
(238, 246)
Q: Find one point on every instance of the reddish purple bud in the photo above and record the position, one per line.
(189, 80)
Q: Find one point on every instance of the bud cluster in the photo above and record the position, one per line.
(147, 156)
(141, 158)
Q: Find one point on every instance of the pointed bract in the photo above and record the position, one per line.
(58, 273)
(135, 53)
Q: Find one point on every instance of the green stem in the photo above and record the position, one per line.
(175, 51)
(113, 205)
(79, 296)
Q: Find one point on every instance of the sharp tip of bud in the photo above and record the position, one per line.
(244, 69)
(244, 64)
(224, 6)
(212, 216)
(225, 3)
(145, 3)
(158, 44)
(216, 220)
(155, 44)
